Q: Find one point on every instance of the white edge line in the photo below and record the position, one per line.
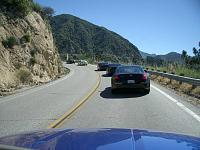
(194, 115)
(35, 89)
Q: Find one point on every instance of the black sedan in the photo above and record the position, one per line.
(111, 69)
(102, 66)
(130, 77)
(70, 61)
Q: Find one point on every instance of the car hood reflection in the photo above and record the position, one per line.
(102, 139)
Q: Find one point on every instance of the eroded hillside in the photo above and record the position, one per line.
(27, 52)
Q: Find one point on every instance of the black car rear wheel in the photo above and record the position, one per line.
(113, 91)
(147, 91)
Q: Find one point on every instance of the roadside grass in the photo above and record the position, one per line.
(188, 72)
(159, 79)
(175, 84)
(153, 76)
(66, 70)
(185, 88)
(165, 81)
(179, 70)
(196, 92)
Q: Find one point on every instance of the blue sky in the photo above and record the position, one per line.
(154, 26)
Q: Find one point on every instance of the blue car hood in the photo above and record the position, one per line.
(102, 139)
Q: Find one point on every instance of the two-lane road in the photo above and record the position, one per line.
(134, 110)
(39, 107)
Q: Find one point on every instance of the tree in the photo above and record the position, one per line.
(184, 54)
(48, 11)
(195, 51)
(185, 57)
(192, 61)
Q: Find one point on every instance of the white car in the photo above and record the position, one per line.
(82, 63)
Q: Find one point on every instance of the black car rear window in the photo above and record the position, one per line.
(114, 65)
(102, 64)
(130, 69)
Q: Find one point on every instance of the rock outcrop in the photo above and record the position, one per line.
(27, 52)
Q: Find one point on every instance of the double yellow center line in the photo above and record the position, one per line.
(60, 121)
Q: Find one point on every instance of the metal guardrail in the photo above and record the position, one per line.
(193, 81)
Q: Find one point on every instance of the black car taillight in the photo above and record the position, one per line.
(144, 77)
(116, 77)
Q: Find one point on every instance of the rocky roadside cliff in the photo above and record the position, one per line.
(28, 55)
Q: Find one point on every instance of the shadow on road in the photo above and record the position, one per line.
(105, 75)
(98, 70)
(126, 93)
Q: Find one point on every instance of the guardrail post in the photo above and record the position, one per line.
(193, 87)
(170, 80)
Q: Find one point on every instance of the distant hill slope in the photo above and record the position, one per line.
(76, 36)
(169, 57)
(144, 55)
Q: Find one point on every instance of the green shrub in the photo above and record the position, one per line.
(164, 71)
(4, 42)
(9, 42)
(66, 70)
(181, 74)
(36, 7)
(24, 6)
(24, 75)
(33, 52)
(32, 61)
(25, 39)
(18, 65)
(20, 8)
(1, 23)
(17, 7)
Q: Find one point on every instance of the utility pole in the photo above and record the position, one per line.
(67, 56)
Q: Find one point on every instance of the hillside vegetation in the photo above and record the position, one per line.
(179, 64)
(83, 39)
(172, 57)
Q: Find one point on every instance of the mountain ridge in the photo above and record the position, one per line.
(169, 57)
(77, 36)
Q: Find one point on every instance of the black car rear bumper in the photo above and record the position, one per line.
(109, 74)
(118, 85)
(102, 68)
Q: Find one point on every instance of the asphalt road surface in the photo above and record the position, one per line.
(38, 107)
(129, 109)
